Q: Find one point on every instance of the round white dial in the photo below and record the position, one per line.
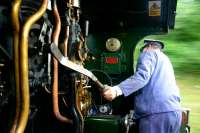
(113, 44)
(103, 109)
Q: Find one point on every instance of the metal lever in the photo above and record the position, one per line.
(69, 64)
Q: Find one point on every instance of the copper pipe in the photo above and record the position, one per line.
(66, 41)
(24, 82)
(16, 27)
(55, 72)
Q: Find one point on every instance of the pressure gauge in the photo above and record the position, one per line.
(103, 109)
(113, 44)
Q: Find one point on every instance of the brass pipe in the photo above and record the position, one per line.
(16, 27)
(66, 41)
(65, 51)
(79, 86)
(55, 38)
(24, 82)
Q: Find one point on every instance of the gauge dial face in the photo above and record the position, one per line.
(113, 44)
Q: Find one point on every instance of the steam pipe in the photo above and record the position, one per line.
(66, 41)
(55, 72)
(76, 115)
(81, 124)
(16, 27)
(24, 83)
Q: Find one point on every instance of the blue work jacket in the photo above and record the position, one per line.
(155, 79)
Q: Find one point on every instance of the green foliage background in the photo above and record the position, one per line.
(183, 48)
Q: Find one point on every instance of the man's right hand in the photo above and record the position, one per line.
(109, 93)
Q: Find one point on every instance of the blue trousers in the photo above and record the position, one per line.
(169, 122)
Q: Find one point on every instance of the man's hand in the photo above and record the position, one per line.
(109, 93)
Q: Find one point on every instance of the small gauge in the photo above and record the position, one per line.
(113, 44)
(103, 109)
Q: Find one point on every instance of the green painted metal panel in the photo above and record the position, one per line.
(103, 124)
(112, 63)
(96, 44)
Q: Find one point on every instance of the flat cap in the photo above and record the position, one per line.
(153, 42)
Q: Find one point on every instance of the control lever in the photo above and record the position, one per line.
(71, 65)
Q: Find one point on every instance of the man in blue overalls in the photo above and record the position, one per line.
(158, 105)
